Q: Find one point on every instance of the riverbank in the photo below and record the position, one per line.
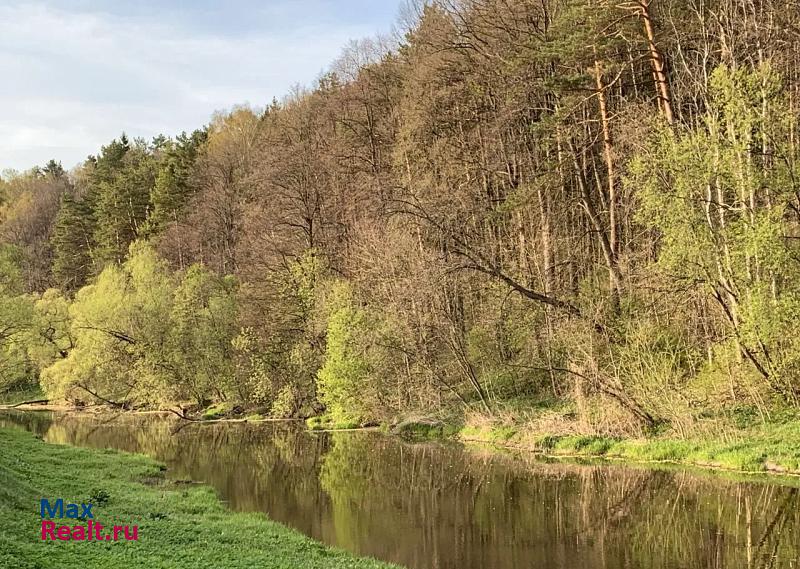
(767, 449)
(772, 450)
(179, 525)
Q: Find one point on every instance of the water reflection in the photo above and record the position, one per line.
(443, 506)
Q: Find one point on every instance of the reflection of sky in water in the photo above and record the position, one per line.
(443, 506)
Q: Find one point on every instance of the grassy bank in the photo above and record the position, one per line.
(179, 526)
(773, 449)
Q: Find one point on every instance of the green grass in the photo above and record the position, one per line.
(326, 423)
(216, 411)
(491, 434)
(179, 527)
(775, 448)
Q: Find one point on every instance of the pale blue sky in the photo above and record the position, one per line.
(76, 73)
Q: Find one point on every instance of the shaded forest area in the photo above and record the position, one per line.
(583, 215)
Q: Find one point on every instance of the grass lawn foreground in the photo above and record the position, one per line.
(179, 526)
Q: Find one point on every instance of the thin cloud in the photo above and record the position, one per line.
(76, 79)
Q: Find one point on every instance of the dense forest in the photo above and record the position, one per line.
(580, 214)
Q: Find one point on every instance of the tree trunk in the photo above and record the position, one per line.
(657, 61)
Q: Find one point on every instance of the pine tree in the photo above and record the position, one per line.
(122, 181)
(173, 188)
(73, 243)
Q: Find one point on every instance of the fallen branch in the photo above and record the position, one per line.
(123, 405)
(183, 416)
(31, 402)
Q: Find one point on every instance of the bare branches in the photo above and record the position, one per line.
(479, 262)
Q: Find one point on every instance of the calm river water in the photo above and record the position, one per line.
(431, 505)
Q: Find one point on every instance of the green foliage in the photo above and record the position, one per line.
(285, 403)
(216, 411)
(30, 391)
(655, 364)
(119, 330)
(121, 182)
(344, 380)
(720, 210)
(252, 367)
(73, 239)
(139, 333)
(49, 337)
(16, 313)
(437, 231)
(328, 423)
(10, 270)
(172, 188)
(510, 360)
(16, 370)
(203, 323)
(277, 365)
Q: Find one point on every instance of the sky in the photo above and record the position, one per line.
(74, 74)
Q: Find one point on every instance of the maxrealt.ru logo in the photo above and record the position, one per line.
(89, 531)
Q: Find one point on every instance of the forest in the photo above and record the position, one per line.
(576, 215)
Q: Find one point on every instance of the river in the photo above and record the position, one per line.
(447, 506)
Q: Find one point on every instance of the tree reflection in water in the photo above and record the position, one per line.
(446, 506)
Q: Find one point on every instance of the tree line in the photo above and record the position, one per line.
(573, 212)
